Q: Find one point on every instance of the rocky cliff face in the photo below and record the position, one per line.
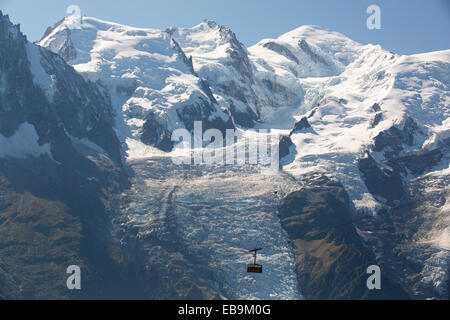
(331, 259)
(60, 162)
(230, 69)
(39, 88)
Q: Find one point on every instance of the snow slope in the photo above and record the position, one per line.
(23, 143)
(147, 74)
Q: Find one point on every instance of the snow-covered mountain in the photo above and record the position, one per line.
(153, 85)
(376, 122)
(364, 129)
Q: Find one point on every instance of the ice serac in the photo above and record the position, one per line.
(152, 82)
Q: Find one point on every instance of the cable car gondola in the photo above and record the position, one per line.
(254, 267)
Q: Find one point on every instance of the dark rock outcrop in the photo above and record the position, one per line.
(377, 119)
(376, 107)
(285, 146)
(155, 134)
(386, 179)
(391, 140)
(55, 209)
(419, 162)
(384, 183)
(82, 108)
(281, 50)
(300, 126)
(314, 56)
(245, 119)
(331, 261)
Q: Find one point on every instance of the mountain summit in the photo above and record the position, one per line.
(153, 85)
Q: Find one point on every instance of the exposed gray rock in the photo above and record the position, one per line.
(244, 119)
(314, 56)
(281, 50)
(300, 126)
(284, 146)
(81, 107)
(376, 107)
(391, 140)
(388, 182)
(377, 119)
(331, 260)
(418, 163)
(383, 183)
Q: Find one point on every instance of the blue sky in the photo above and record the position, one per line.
(408, 26)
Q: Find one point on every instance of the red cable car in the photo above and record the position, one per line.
(254, 267)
